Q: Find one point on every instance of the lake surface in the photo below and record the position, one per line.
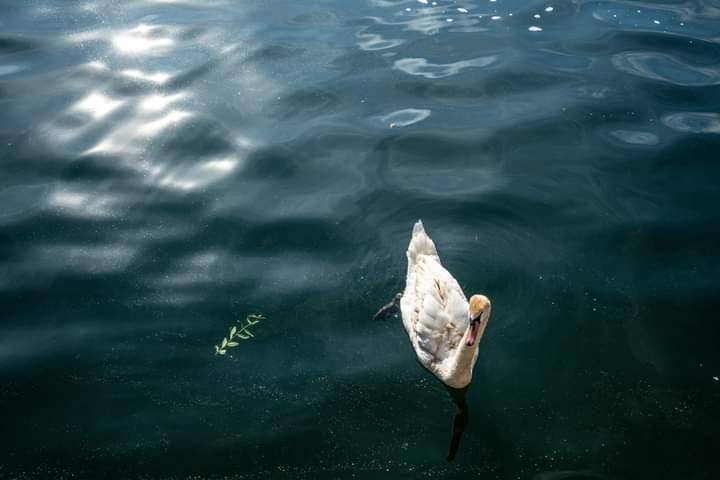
(170, 166)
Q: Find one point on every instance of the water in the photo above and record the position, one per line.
(170, 166)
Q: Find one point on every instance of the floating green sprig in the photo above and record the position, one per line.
(242, 333)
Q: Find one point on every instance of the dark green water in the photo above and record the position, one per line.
(168, 167)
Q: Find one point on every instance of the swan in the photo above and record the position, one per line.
(444, 328)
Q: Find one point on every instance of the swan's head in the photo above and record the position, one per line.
(479, 309)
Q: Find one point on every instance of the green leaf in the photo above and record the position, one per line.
(240, 331)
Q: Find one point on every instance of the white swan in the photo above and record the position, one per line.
(443, 328)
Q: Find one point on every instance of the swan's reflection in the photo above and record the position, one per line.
(460, 421)
(457, 395)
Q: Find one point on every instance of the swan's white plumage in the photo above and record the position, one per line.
(435, 313)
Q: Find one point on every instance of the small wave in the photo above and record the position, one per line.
(694, 122)
(405, 117)
(665, 68)
(634, 137)
(421, 67)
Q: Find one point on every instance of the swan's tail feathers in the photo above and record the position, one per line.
(420, 244)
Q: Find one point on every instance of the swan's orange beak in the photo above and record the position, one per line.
(479, 309)
(472, 332)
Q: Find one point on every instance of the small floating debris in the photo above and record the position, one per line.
(462, 10)
(716, 379)
(424, 2)
(495, 17)
(448, 19)
(408, 9)
(537, 15)
(393, 125)
(242, 333)
(533, 28)
(549, 9)
(656, 22)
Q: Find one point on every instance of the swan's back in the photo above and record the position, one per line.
(434, 308)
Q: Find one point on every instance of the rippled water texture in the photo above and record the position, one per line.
(169, 166)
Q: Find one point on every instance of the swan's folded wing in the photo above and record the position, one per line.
(442, 309)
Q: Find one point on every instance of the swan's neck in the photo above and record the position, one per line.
(461, 366)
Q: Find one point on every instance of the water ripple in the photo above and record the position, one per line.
(634, 137)
(694, 122)
(421, 67)
(665, 68)
(375, 41)
(405, 117)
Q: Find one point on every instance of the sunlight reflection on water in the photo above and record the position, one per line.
(140, 120)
